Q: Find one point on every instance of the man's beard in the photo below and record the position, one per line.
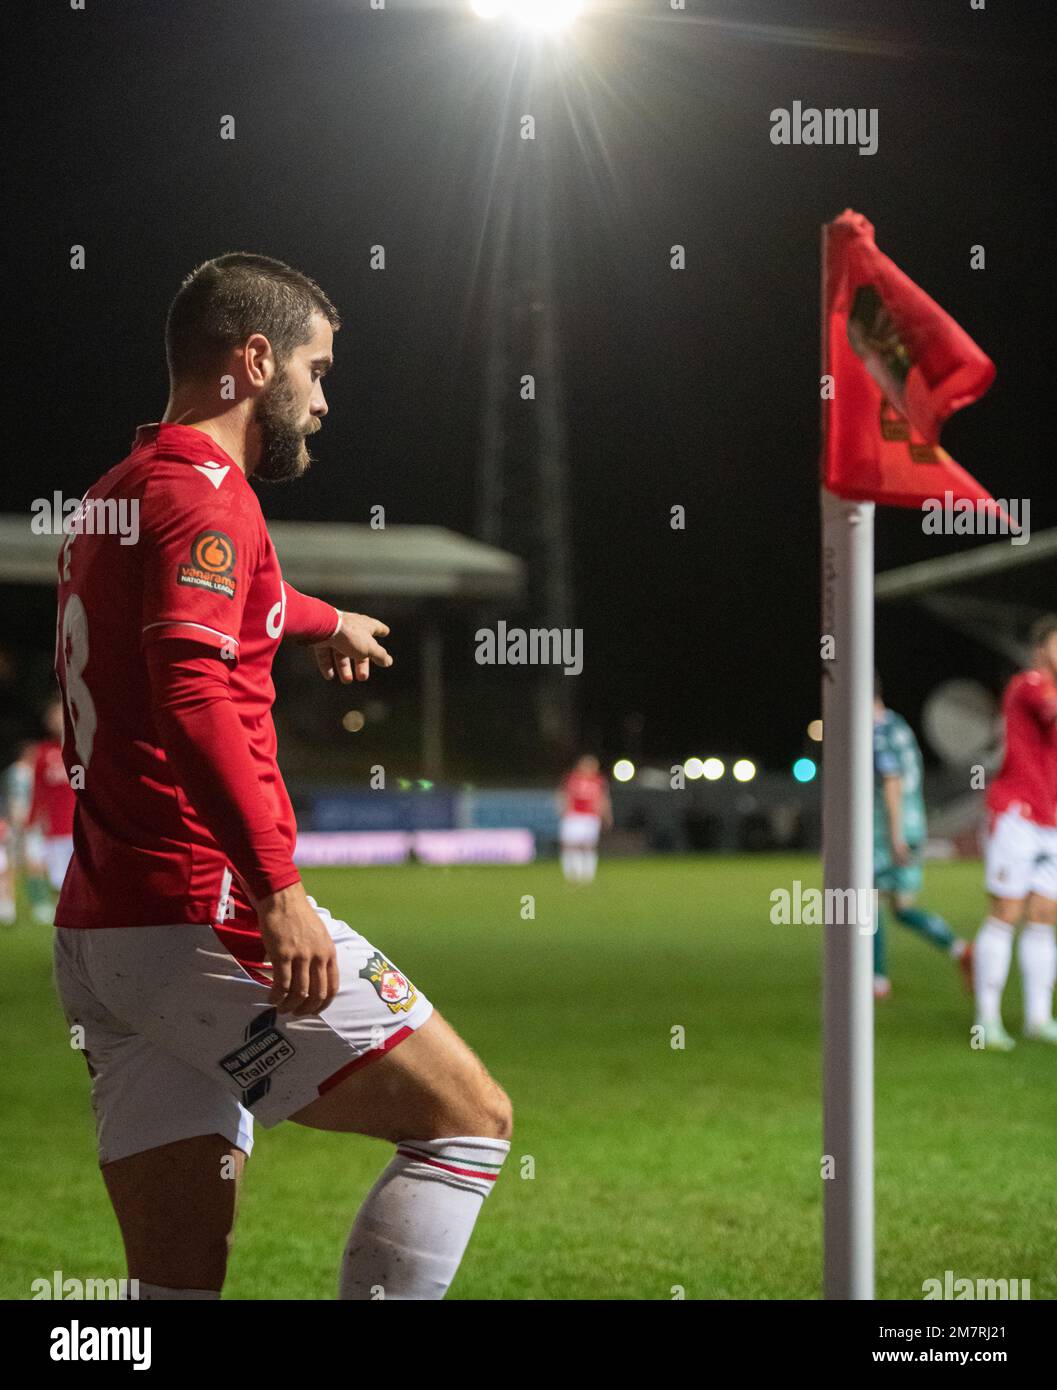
(284, 455)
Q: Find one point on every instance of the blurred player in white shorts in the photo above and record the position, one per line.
(49, 829)
(1021, 853)
(585, 808)
(8, 912)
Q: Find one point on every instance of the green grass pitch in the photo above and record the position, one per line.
(635, 1168)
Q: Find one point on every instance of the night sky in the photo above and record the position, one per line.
(697, 387)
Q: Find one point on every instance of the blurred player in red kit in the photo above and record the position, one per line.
(49, 825)
(211, 989)
(8, 911)
(585, 808)
(1021, 856)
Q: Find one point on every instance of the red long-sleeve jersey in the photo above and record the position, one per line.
(164, 653)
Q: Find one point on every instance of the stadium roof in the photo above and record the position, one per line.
(909, 581)
(411, 562)
(999, 616)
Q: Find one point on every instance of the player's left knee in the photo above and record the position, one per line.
(500, 1115)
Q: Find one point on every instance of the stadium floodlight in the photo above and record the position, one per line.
(693, 768)
(713, 769)
(544, 15)
(624, 770)
(814, 731)
(804, 769)
(744, 770)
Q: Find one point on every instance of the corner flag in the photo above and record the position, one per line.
(895, 366)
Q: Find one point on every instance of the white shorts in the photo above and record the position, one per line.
(578, 830)
(1021, 858)
(57, 853)
(180, 1041)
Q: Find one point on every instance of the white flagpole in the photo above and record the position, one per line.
(847, 851)
(847, 859)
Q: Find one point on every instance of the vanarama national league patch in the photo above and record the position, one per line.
(212, 563)
(394, 990)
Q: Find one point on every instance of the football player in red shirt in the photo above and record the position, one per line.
(585, 807)
(49, 825)
(209, 988)
(8, 911)
(1021, 856)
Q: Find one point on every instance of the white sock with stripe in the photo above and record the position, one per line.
(1037, 956)
(416, 1221)
(992, 952)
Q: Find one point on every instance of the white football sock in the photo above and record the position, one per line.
(590, 864)
(416, 1221)
(1037, 957)
(569, 864)
(992, 953)
(158, 1291)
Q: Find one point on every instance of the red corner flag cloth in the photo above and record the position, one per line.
(898, 367)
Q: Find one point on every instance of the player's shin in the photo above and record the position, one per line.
(1037, 957)
(415, 1223)
(992, 953)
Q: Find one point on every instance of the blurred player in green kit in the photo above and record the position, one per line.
(899, 834)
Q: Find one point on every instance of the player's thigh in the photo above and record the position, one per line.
(1009, 860)
(1042, 885)
(176, 1208)
(1007, 910)
(1041, 909)
(433, 1086)
(58, 851)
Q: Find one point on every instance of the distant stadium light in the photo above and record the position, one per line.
(694, 768)
(624, 770)
(744, 770)
(814, 730)
(804, 769)
(535, 14)
(713, 769)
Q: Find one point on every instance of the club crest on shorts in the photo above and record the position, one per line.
(394, 989)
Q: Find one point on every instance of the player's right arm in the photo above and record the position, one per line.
(606, 808)
(200, 554)
(201, 732)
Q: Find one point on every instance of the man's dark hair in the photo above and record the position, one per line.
(1042, 629)
(228, 299)
(877, 690)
